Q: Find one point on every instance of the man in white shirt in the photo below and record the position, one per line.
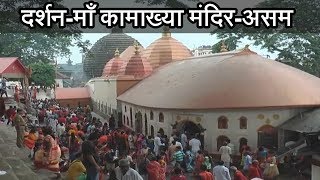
(184, 140)
(157, 144)
(220, 172)
(60, 129)
(195, 145)
(124, 172)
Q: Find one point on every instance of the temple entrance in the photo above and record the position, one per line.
(268, 137)
(152, 131)
(192, 129)
(138, 122)
(242, 142)
(220, 140)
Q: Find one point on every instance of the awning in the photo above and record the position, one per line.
(307, 122)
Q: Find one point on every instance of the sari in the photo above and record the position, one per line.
(30, 140)
(199, 161)
(156, 171)
(48, 159)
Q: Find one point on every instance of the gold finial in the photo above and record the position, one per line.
(224, 48)
(117, 53)
(136, 47)
(166, 32)
(246, 46)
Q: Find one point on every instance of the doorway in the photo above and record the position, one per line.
(145, 125)
(268, 137)
(192, 129)
(152, 131)
(220, 140)
(138, 122)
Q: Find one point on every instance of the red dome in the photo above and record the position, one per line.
(112, 67)
(136, 66)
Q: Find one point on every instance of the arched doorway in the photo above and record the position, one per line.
(220, 140)
(145, 124)
(138, 123)
(191, 128)
(242, 141)
(268, 137)
(161, 131)
(152, 131)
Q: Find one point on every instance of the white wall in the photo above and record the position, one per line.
(315, 171)
(104, 91)
(59, 82)
(209, 120)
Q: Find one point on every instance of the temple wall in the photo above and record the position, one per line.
(209, 121)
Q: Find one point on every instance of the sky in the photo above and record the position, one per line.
(191, 40)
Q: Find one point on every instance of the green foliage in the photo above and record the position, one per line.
(300, 48)
(43, 74)
(230, 43)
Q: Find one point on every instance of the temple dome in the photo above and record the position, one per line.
(237, 79)
(129, 52)
(165, 50)
(103, 50)
(136, 66)
(113, 66)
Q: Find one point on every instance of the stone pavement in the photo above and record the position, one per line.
(15, 161)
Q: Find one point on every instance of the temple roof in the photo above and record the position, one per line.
(237, 79)
(113, 66)
(165, 50)
(136, 66)
(129, 52)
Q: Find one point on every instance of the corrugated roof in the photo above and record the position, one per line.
(308, 122)
(5, 62)
(240, 79)
(72, 93)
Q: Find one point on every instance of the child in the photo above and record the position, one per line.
(30, 140)
(76, 168)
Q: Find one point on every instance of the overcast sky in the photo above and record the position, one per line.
(191, 40)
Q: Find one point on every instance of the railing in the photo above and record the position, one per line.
(284, 151)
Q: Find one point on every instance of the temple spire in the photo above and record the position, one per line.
(166, 32)
(136, 47)
(116, 53)
(69, 62)
(223, 48)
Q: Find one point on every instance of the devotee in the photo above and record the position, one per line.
(247, 161)
(157, 144)
(220, 172)
(178, 157)
(225, 154)
(177, 174)
(3, 88)
(262, 154)
(20, 126)
(205, 175)
(254, 170)
(231, 146)
(76, 168)
(154, 169)
(90, 160)
(198, 161)
(60, 129)
(195, 145)
(271, 171)
(236, 174)
(124, 172)
(48, 156)
(184, 139)
(112, 122)
(30, 140)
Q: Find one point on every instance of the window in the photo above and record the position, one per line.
(243, 122)
(125, 108)
(130, 114)
(131, 123)
(161, 117)
(222, 122)
(127, 121)
(151, 115)
(145, 124)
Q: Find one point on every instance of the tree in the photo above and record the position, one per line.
(230, 43)
(40, 45)
(43, 74)
(298, 46)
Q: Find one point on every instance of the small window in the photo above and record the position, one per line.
(151, 115)
(125, 108)
(243, 122)
(222, 122)
(127, 121)
(131, 123)
(161, 117)
(130, 114)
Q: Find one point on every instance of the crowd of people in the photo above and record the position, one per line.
(72, 142)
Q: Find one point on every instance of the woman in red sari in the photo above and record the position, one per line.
(155, 170)
(48, 156)
(199, 161)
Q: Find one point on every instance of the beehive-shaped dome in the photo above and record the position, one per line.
(165, 50)
(103, 50)
(113, 66)
(136, 66)
(129, 52)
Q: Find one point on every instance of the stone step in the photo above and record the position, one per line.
(21, 170)
(4, 166)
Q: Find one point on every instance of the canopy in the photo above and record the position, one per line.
(306, 122)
